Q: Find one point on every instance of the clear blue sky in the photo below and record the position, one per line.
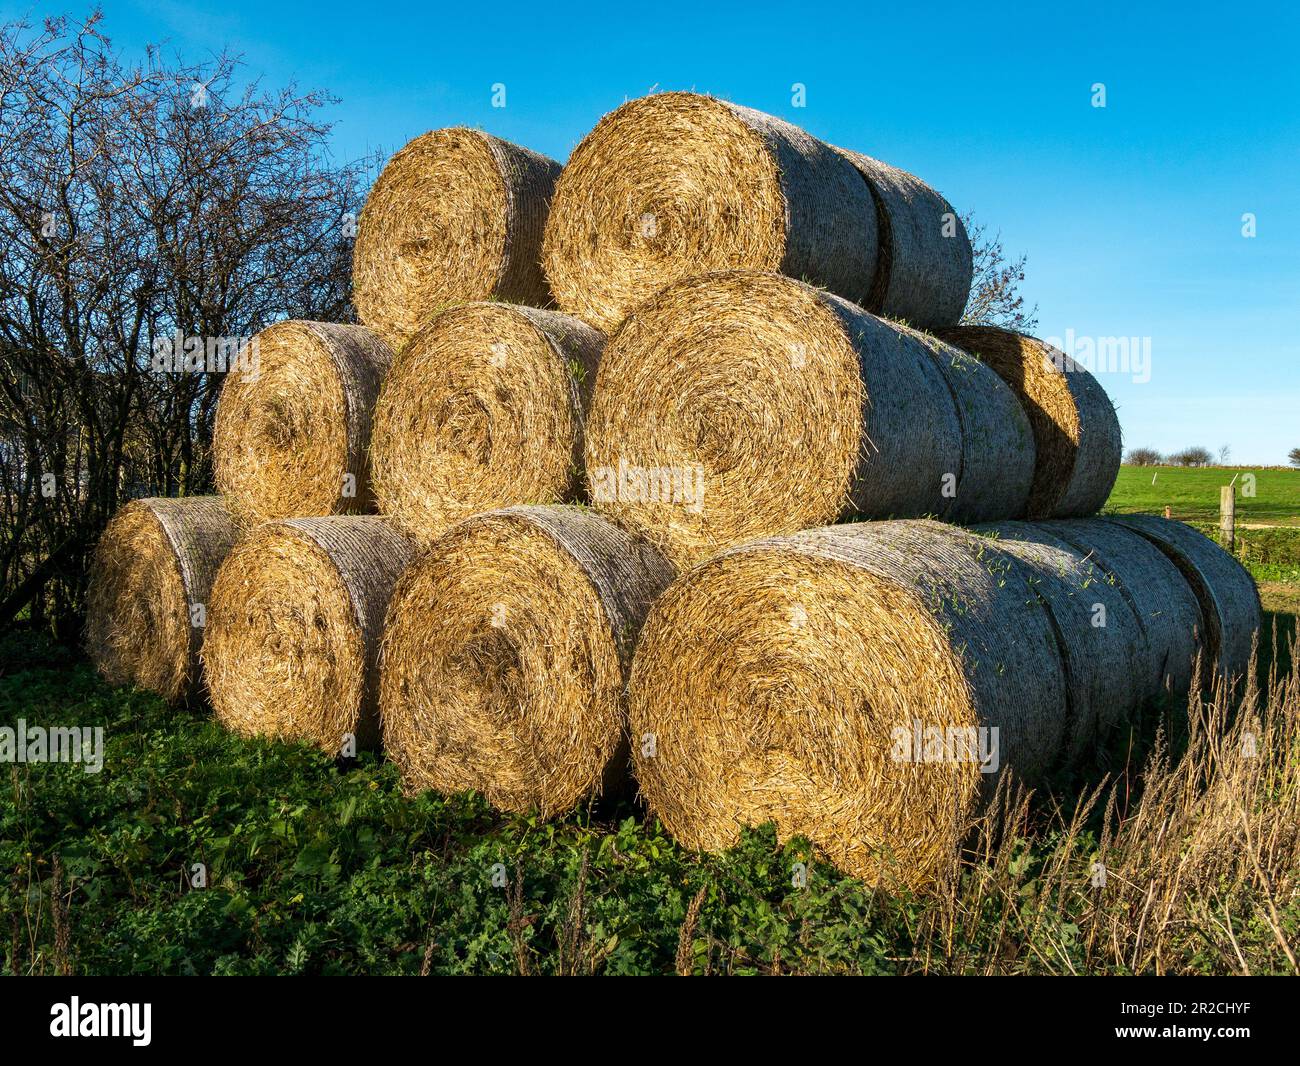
(1131, 215)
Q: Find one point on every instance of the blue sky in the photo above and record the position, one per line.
(1131, 215)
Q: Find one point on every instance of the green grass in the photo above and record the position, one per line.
(321, 867)
(1193, 493)
(1271, 555)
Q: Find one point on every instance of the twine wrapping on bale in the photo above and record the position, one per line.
(294, 628)
(1224, 588)
(483, 408)
(147, 602)
(678, 184)
(505, 657)
(1166, 610)
(292, 430)
(456, 215)
(998, 452)
(1103, 645)
(1075, 428)
(835, 682)
(924, 266)
(743, 404)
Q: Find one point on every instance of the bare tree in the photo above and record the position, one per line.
(138, 204)
(1144, 457)
(1196, 456)
(995, 298)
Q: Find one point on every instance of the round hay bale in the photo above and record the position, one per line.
(292, 431)
(678, 184)
(835, 682)
(742, 404)
(998, 453)
(505, 657)
(1075, 428)
(1224, 588)
(294, 628)
(1166, 610)
(456, 215)
(1103, 645)
(483, 408)
(924, 266)
(146, 606)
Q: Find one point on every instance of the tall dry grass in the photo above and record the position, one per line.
(1190, 866)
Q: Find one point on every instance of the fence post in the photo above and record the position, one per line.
(1228, 516)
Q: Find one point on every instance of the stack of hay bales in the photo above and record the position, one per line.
(455, 397)
(708, 327)
(866, 685)
(298, 608)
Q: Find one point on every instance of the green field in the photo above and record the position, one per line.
(1193, 493)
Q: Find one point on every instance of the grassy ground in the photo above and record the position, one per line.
(1193, 493)
(315, 866)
